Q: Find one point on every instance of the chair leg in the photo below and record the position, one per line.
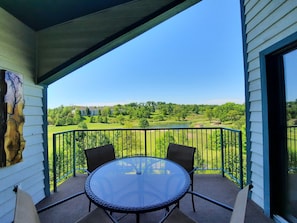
(193, 204)
(90, 206)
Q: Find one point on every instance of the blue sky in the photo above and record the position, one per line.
(193, 58)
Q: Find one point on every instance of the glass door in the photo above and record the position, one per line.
(290, 77)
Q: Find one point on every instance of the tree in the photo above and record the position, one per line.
(69, 119)
(77, 117)
(106, 111)
(93, 119)
(121, 119)
(209, 114)
(82, 125)
(88, 111)
(196, 109)
(60, 122)
(143, 123)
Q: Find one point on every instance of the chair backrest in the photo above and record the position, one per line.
(99, 155)
(181, 154)
(238, 214)
(25, 210)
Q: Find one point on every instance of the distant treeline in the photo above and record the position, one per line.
(144, 112)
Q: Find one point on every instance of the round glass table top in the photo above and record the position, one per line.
(137, 184)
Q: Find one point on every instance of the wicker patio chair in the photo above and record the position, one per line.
(184, 156)
(175, 215)
(26, 212)
(98, 156)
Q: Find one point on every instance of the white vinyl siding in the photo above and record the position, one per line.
(267, 22)
(17, 54)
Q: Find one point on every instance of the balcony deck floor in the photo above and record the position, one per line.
(214, 186)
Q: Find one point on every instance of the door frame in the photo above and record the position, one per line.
(275, 160)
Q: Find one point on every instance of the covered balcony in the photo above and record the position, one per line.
(219, 157)
(44, 42)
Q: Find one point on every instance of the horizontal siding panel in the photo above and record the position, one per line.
(257, 131)
(27, 171)
(33, 111)
(253, 64)
(38, 191)
(258, 149)
(9, 202)
(253, 8)
(256, 137)
(257, 196)
(7, 217)
(32, 130)
(257, 159)
(256, 127)
(259, 179)
(33, 90)
(249, 4)
(254, 74)
(263, 19)
(34, 140)
(255, 95)
(273, 21)
(255, 85)
(256, 117)
(33, 120)
(7, 172)
(256, 46)
(256, 106)
(33, 101)
(272, 35)
(8, 196)
(17, 45)
(256, 168)
(254, 50)
(32, 150)
(27, 177)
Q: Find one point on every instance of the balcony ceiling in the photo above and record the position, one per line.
(72, 33)
(52, 12)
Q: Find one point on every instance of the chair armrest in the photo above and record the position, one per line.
(60, 202)
(211, 200)
(88, 172)
(193, 170)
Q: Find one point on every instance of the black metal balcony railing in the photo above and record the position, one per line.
(219, 150)
(292, 149)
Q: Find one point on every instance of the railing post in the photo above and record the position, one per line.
(222, 152)
(54, 163)
(74, 153)
(145, 141)
(240, 159)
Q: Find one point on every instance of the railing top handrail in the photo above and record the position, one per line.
(292, 126)
(146, 129)
(232, 130)
(58, 133)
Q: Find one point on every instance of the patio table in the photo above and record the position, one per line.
(137, 184)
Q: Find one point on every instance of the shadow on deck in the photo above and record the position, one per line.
(214, 186)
